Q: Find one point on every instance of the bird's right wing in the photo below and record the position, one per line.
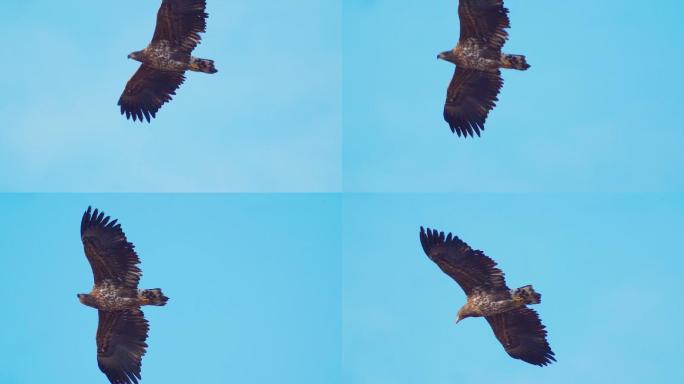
(180, 22)
(470, 97)
(485, 20)
(147, 91)
(468, 267)
(522, 335)
(121, 344)
(111, 256)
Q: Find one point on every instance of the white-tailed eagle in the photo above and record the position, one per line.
(477, 81)
(166, 58)
(122, 328)
(516, 326)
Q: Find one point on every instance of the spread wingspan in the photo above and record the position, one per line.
(476, 83)
(177, 33)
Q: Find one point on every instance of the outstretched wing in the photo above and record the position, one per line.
(470, 97)
(180, 22)
(111, 256)
(523, 335)
(468, 267)
(147, 91)
(485, 20)
(121, 344)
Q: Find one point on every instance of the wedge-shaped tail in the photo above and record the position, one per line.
(527, 294)
(202, 65)
(514, 62)
(152, 297)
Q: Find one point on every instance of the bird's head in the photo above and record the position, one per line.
(447, 56)
(137, 55)
(86, 299)
(462, 314)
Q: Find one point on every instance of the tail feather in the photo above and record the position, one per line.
(514, 62)
(527, 294)
(202, 65)
(152, 297)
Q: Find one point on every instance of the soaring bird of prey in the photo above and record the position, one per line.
(122, 328)
(166, 58)
(477, 81)
(516, 326)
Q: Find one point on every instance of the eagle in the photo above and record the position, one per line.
(166, 58)
(477, 80)
(122, 327)
(517, 327)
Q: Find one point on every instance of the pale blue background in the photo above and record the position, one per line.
(254, 283)
(609, 268)
(269, 120)
(600, 109)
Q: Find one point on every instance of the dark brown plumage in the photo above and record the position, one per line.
(181, 22)
(476, 82)
(122, 328)
(523, 335)
(108, 251)
(147, 91)
(470, 97)
(166, 58)
(517, 327)
(121, 344)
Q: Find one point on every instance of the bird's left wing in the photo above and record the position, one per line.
(468, 267)
(522, 335)
(484, 20)
(110, 254)
(180, 22)
(147, 91)
(121, 344)
(470, 97)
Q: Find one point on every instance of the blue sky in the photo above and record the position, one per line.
(608, 267)
(269, 120)
(596, 112)
(254, 282)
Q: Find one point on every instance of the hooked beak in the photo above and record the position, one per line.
(458, 318)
